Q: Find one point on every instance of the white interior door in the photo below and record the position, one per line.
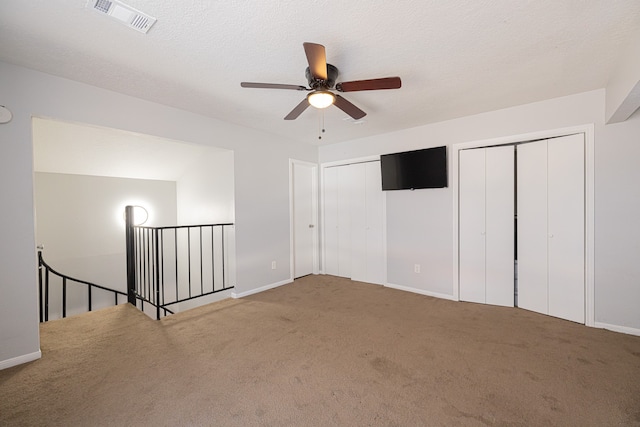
(304, 207)
(472, 225)
(499, 225)
(566, 245)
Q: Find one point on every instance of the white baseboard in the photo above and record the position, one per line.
(420, 291)
(616, 328)
(4, 364)
(260, 289)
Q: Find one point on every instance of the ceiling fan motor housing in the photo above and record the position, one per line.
(332, 75)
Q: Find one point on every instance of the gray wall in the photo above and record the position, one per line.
(79, 221)
(420, 223)
(260, 176)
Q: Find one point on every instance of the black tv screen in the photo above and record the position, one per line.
(414, 169)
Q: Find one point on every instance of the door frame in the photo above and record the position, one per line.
(588, 131)
(314, 209)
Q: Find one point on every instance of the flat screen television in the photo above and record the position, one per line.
(412, 170)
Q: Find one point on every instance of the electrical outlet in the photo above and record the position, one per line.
(416, 268)
(273, 265)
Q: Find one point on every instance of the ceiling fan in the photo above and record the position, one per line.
(322, 78)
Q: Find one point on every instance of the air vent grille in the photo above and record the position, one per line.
(103, 6)
(123, 13)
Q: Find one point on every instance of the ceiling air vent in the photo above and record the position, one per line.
(125, 14)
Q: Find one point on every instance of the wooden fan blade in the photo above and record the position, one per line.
(271, 86)
(349, 108)
(317, 60)
(373, 84)
(298, 110)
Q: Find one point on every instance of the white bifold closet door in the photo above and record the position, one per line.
(337, 190)
(551, 240)
(353, 221)
(486, 225)
(367, 256)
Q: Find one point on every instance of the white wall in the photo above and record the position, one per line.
(617, 215)
(420, 226)
(205, 191)
(79, 220)
(260, 175)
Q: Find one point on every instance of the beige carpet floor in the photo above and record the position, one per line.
(326, 351)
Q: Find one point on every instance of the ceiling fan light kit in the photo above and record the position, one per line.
(322, 78)
(321, 98)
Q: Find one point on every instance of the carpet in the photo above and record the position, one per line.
(326, 351)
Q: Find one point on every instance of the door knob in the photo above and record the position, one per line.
(311, 225)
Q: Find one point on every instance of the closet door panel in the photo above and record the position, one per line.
(532, 226)
(376, 261)
(499, 225)
(358, 202)
(566, 227)
(330, 191)
(346, 182)
(472, 225)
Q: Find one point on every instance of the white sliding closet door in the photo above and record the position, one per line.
(486, 191)
(551, 245)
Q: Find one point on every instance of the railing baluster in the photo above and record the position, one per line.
(201, 269)
(213, 261)
(162, 263)
(175, 253)
(64, 297)
(189, 256)
(224, 280)
(46, 295)
(130, 247)
(40, 296)
(157, 274)
(90, 297)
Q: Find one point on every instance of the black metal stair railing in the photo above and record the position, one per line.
(45, 273)
(167, 266)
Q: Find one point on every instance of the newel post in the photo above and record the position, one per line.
(131, 255)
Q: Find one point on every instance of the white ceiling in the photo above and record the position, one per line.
(455, 57)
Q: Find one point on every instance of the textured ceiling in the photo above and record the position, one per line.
(455, 57)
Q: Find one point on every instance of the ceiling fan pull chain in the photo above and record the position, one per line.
(321, 124)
